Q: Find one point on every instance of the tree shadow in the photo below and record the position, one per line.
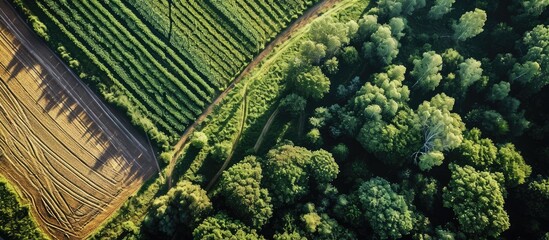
(170, 29)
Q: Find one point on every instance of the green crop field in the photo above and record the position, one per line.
(163, 61)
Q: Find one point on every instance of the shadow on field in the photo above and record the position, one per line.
(15, 66)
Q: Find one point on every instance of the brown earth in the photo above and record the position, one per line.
(64, 150)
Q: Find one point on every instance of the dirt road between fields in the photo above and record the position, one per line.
(282, 37)
(69, 156)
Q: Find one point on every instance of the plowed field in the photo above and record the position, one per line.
(64, 150)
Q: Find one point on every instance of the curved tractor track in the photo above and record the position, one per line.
(66, 152)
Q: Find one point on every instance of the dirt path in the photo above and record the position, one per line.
(265, 129)
(69, 155)
(235, 143)
(283, 36)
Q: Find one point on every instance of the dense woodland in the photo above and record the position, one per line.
(419, 119)
(426, 120)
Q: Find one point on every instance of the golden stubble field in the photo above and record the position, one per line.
(71, 159)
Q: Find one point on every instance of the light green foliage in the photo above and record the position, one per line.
(222, 226)
(240, 185)
(469, 72)
(384, 97)
(288, 170)
(476, 151)
(311, 220)
(386, 46)
(451, 58)
(293, 104)
(397, 24)
(311, 83)
(537, 42)
(332, 65)
(15, 219)
(323, 167)
(185, 204)
(535, 7)
(512, 165)
(199, 139)
(470, 24)
(314, 137)
(526, 72)
(427, 71)
(222, 150)
(288, 236)
(443, 129)
(366, 26)
(430, 160)
(440, 8)
(320, 117)
(331, 33)
(312, 52)
(477, 200)
(499, 91)
(386, 210)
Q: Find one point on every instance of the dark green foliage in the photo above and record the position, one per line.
(535, 196)
(16, 221)
(222, 150)
(293, 104)
(240, 185)
(476, 197)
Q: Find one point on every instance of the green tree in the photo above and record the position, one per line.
(537, 43)
(350, 55)
(535, 196)
(222, 150)
(440, 8)
(331, 33)
(470, 24)
(290, 170)
(340, 152)
(469, 72)
(512, 165)
(397, 25)
(199, 139)
(387, 212)
(289, 236)
(185, 204)
(312, 52)
(535, 7)
(390, 8)
(240, 185)
(427, 71)
(499, 91)
(442, 129)
(293, 104)
(385, 44)
(311, 83)
(323, 167)
(526, 72)
(478, 152)
(384, 97)
(221, 226)
(331, 65)
(366, 26)
(476, 198)
(430, 159)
